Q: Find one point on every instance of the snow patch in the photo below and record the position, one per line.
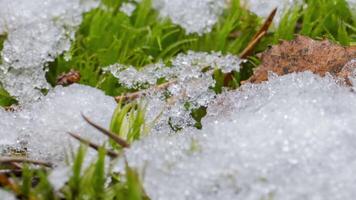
(40, 129)
(37, 31)
(289, 138)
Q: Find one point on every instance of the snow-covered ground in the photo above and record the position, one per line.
(292, 137)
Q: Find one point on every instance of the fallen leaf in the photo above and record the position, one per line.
(304, 54)
(68, 78)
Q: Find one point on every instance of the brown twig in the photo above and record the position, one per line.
(8, 160)
(110, 153)
(258, 36)
(248, 50)
(111, 135)
(267, 23)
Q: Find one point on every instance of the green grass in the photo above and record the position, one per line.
(85, 183)
(96, 181)
(108, 36)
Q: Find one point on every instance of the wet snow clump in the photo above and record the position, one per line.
(291, 137)
(37, 31)
(40, 129)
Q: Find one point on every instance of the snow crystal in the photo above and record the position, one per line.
(189, 85)
(289, 138)
(40, 129)
(37, 31)
(128, 8)
(195, 16)
(5, 195)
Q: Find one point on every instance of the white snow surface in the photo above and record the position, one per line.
(37, 31)
(41, 128)
(292, 137)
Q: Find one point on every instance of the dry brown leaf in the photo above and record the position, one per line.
(304, 54)
(68, 78)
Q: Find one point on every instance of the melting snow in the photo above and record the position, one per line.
(191, 81)
(38, 31)
(292, 137)
(40, 128)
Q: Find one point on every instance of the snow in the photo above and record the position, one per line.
(195, 16)
(5, 195)
(264, 7)
(37, 31)
(190, 78)
(128, 8)
(352, 4)
(40, 129)
(289, 138)
(59, 176)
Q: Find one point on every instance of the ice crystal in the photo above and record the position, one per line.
(189, 87)
(289, 138)
(37, 31)
(40, 129)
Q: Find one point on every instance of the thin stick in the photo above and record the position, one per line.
(248, 50)
(111, 135)
(110, 153)
(267, 23)
(258, 36)
(8, 160)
